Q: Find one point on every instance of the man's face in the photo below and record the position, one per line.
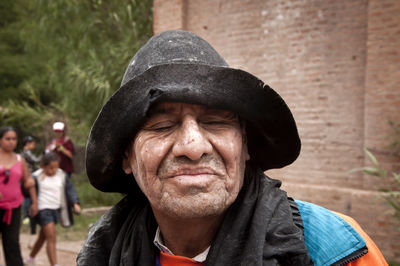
(188, 160)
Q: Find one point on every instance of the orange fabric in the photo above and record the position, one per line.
(374, 256)
(172, 260)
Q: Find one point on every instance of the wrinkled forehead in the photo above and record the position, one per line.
(177, 108)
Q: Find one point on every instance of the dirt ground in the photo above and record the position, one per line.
(66, 251)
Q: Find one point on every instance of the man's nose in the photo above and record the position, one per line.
(191, 141)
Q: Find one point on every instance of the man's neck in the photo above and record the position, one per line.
(188, 237)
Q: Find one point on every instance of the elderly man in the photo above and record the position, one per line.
(187, 139)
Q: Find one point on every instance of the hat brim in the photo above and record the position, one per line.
(273, 140)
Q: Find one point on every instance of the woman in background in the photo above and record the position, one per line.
(13, 170)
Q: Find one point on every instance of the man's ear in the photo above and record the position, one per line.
(126, 165)
(244, 138)
(246, 151)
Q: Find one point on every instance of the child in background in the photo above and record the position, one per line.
(56, 195)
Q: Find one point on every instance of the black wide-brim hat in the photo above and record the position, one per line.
(179, 66)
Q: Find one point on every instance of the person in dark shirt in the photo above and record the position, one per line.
(31, 159)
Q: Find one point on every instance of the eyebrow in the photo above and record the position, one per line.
(159, 111)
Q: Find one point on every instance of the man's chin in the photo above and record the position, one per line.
(195, 207)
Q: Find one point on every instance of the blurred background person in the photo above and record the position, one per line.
(13, 170)
(63, 146)
(32, 161)
(57, 199)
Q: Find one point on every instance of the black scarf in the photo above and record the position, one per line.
(262, 227)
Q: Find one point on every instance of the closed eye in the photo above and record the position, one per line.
(160, 127)
(214, 122)
(226, 118)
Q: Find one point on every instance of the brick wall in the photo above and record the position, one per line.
(336, 64)
(169, 15)
(382, 96)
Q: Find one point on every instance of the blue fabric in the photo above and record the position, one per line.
(47, 216)
(328, 237)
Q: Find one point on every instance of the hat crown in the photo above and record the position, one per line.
(172, 47)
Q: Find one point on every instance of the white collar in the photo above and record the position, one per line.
(159, 243)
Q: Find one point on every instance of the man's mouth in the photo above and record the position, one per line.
(193, 177)
(192, 171)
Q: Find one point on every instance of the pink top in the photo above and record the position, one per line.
(11, 191)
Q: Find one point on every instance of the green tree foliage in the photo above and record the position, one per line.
(65, 58)
(390, 188)
(12, 67)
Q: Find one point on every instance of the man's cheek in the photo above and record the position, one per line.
(141, 178)
(154, 153)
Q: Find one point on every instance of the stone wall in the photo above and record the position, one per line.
(337, 65)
